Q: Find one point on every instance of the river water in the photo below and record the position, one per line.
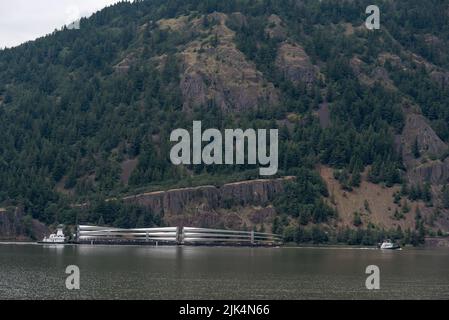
(31, 271)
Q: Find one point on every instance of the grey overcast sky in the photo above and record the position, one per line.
(24, 20)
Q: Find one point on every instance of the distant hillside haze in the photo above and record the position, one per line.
(362, 116)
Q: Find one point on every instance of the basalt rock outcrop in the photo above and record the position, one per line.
(292, 61)
(244, 193)
(429, 165)
(214, 71)
(276, 28)
(294, 64)
(442, 78)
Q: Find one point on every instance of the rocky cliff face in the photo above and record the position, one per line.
(427, 167)
(234, 205)
(294, 64)
(244, 193)
(276, 28)
(441, 77)
(214, 70)
(291, 59)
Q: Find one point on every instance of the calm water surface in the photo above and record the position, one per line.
(29, 271)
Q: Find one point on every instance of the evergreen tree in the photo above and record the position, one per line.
(445, 196)
(415, 149)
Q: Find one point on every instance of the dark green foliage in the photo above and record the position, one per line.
(420, 230)
(302, 199)
(69, 117)
(445, 196)
(415, 149)
(369, 236)
(405, 207)
(118, 214)
(357, 220)
(420, 192)
(398, 215)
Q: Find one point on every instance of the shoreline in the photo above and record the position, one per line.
(285, 246)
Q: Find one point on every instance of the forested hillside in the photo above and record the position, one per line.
(86, 115)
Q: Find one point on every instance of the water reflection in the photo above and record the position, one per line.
(168, 272)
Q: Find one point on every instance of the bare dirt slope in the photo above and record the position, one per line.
(374, 203)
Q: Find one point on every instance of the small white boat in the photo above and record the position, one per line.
(57, 237)
(389, 245)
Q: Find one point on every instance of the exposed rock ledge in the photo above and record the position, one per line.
(173, 202)
(427, 167)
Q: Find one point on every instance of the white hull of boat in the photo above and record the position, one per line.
(389, 246)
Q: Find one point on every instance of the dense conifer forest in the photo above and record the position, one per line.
(78, 104)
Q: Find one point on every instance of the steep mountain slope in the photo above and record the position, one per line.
(86, 114)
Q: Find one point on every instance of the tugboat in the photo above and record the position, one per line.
(56, 238)
(389, 245)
